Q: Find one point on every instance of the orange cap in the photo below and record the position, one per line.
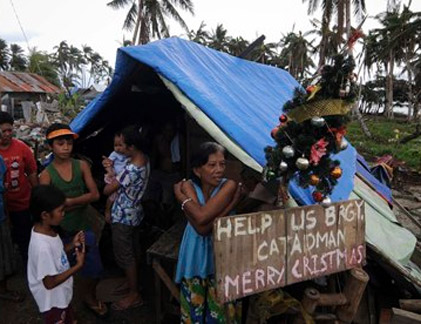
(62, 132)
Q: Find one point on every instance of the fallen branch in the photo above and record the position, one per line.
(414, 135)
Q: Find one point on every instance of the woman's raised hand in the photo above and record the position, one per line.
(179, 191)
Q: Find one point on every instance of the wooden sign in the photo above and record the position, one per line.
(265, 250)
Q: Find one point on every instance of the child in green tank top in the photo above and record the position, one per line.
(74, 178)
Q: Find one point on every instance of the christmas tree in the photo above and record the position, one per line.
(312, 127)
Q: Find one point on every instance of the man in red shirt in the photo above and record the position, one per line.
(21, 175)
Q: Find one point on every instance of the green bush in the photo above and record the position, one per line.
(386, 137)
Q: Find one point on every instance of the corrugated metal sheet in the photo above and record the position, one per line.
(25, 82)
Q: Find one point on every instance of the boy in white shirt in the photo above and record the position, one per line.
(49, 273)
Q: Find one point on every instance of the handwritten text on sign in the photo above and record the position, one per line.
(265, 250)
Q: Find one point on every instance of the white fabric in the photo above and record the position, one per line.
(175, 149)
(46, 257)
(119, 161)
(41, 116)
(27, 110)
(207, 124)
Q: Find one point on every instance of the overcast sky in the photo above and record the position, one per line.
(91, 22)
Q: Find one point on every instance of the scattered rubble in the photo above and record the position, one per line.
(31, 129)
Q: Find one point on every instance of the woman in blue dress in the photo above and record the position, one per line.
(205, 197)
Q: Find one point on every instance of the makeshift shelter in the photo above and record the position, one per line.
(237, 102)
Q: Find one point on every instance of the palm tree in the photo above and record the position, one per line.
(296, 53)
(219, 39)
(97, 67)
(17, 61)
(237, 45)
(147, 18)
(200, 36)
(80, 67)
(67, 59)
(329, 39)
(4, 55)
(342, 8)
(395, 42)
(409, 40)
(41, 63)
(417, 87)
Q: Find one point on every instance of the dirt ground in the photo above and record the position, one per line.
(27, 312)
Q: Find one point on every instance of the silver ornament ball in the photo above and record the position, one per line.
(283, 166)
(317, 121)
(302, 163)
(288, 151)
(344, 144)
(326, 202)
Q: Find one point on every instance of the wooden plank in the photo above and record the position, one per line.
(400, 316)
(276, 248)
(411, 305)
(407, 213)
(167, 246)
(332, 300)
(175, 292)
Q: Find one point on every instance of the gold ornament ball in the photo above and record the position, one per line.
(336, 172)
(314, 179)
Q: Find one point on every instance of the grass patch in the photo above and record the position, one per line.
(386, 136)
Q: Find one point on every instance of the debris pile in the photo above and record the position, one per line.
(37, 117)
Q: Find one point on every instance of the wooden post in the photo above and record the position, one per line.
(158, 301)
(332, 300)
(309, 302)
(353, 290)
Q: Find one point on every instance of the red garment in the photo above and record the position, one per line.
(59, 315)
(20, 163)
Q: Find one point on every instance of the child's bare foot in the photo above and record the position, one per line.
(98, 308)
(132, 300)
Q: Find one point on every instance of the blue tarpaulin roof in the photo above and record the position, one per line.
(243, 98)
